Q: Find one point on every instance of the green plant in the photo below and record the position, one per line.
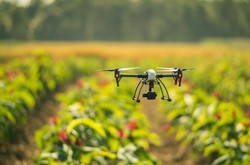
(24, 83)
(97, 125)
(213, 116)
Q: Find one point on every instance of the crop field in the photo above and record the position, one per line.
(56, 108)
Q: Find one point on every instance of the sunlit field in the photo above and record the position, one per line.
(94, 122)
(137, 50)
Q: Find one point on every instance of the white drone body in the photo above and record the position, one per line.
(151, 75)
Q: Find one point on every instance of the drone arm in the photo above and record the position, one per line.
(134, 75)
(166, 75)
(119, 76)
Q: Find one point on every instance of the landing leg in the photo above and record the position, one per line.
(138, 96)
(134, 98)
(163, 97)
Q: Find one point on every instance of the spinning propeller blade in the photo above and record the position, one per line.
(118, 69)
(184, 69)
(108, 70)
(165, 68)
(162, 69)
(124, 69)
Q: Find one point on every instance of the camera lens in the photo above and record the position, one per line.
(150, 95)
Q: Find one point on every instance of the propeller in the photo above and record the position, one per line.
(117, 72)
(119, 69)
(179, 71)
(163, 69)
(184, 69)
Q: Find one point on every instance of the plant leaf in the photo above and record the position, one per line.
(221, 159)
(87, 122)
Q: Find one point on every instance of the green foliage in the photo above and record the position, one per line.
(92, 128)
(212, 112)
(24, 83)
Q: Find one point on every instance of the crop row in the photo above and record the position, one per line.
(212, 112)
(97, 124)
(24, 83)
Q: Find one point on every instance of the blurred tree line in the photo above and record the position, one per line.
(146, 20)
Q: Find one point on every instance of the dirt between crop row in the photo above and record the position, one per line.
(22, 149)
(170, 152)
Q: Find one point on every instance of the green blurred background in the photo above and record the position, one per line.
(124, 20)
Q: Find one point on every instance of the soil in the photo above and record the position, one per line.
(170, 152)
(22, 149)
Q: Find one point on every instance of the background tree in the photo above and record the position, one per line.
(145, 20)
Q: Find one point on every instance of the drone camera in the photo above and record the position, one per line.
(150, 95)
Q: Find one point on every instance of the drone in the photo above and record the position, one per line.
(151, 78)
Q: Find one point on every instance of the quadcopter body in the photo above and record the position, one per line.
(151, 75)
(151, 78)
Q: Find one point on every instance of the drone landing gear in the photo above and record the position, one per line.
(150, 95)
(159, 82)
(138, 96)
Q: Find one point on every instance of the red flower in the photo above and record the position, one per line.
(53, 120)
(80, 83)
(121, 134)
(218, 115)
(63, 137)
(166, 127)
(132, 125)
